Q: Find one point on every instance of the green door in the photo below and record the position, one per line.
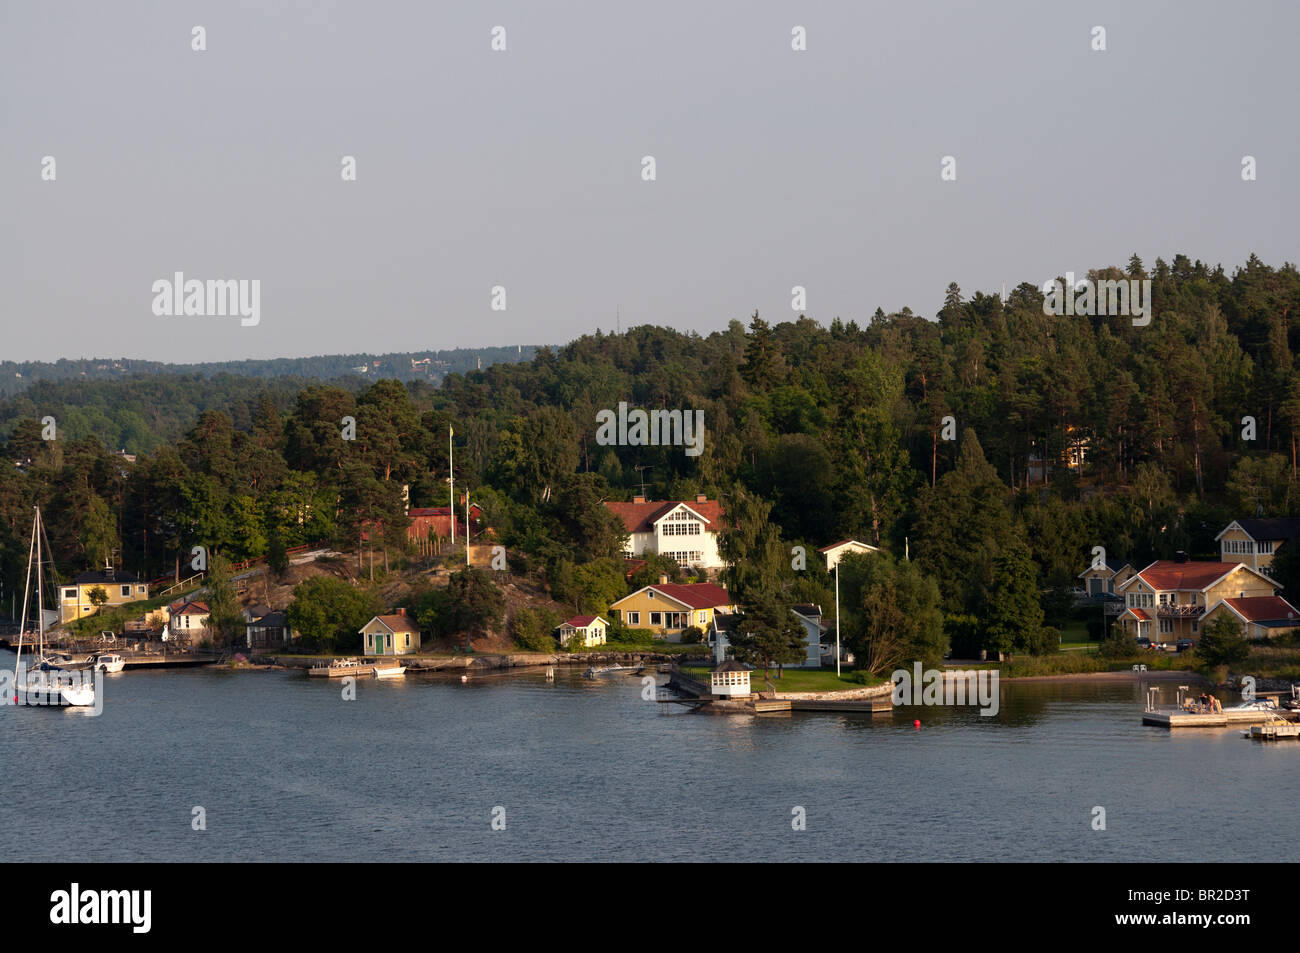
(379, 643)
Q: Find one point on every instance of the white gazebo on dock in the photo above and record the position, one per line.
(731, 680)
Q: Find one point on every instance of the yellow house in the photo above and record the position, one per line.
(1258, 616)
(583, 630)
(667, 609)
(394, 634)
(1103, 578)
(1172, 598)
(118, 585)
(1254, 542)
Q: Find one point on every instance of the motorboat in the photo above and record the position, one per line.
(109, 663)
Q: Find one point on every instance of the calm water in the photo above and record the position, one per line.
(412, 769)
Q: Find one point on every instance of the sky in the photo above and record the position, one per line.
(523, 168)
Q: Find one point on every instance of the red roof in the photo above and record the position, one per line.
(1264, 608)
(640, 517)
(1140, 615)
(192, 608)
(1165, 574)
(581, 621)
(697, 595)
(399, 623)
(474, 511)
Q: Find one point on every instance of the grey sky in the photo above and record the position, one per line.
(522, 168)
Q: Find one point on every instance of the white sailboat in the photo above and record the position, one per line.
(48, 683)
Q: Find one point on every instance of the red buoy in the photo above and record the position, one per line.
(916, 723)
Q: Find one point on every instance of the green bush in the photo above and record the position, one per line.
(1222, 643)
(1118, 645)
(533, 629)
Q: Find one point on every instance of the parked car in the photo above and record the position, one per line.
(1184, 644)
(1143, 642)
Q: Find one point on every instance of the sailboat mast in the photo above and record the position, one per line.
(27, 591)
(40, 589)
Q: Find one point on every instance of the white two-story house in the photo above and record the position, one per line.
(686, 531)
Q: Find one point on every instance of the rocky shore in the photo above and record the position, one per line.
(493, 662)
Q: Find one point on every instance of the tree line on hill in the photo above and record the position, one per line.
(1068, 432)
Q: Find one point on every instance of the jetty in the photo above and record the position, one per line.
(1181, 717)
(1274, 731)
(705, 698)
(351, 666)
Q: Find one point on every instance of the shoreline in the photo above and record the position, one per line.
(1128, 676)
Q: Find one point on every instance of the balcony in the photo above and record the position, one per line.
(1179, 611)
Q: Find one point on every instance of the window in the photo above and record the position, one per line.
(656, 618)
(634, 618)
(703, 618)
(126, 592)
(69, 593)
(408, 640)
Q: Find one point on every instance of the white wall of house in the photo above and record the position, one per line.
(681, 534)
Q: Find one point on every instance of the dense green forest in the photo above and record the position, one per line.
(15, 377)
(1068, 432)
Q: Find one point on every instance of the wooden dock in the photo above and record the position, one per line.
(880, 703)
(714, 705)
(147, 663)
(1224, 719)
(1275, 731)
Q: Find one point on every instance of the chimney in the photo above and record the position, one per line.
(701, 497)
(401, 611)
(638, 499)
(1180, 557)
(663, 579)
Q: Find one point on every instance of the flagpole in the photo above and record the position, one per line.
(837, 619)
(451, 473)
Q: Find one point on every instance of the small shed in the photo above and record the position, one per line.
(395, 634)
(583, 630)
(731, 680)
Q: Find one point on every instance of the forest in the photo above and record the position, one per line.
(986, 449)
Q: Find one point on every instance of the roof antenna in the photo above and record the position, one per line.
(641, 469)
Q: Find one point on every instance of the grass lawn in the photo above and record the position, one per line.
(1076, 630)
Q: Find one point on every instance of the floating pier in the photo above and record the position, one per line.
(1191, 719)
(1275, 731)
(877, 703)
(1180, 717)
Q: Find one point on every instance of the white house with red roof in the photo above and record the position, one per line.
(189, 621)
(1173, 598)
(686, 531)
(668, 609)
(583, 630)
